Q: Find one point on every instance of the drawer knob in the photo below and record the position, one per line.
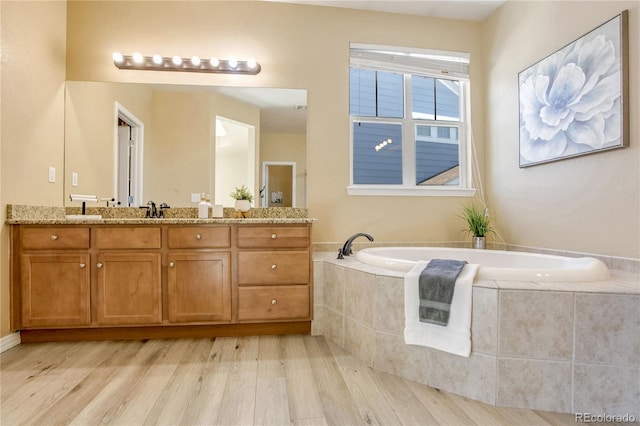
(198, 237)
(99, 265)
(83, 265)
(274, 236)
(274, 267)
(54, 237)
(171, 264)
(274, 301)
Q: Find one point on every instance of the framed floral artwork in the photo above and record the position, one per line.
(575, 101)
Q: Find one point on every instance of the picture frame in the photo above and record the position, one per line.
(575, 101)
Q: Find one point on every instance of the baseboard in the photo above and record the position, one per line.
(9, 341)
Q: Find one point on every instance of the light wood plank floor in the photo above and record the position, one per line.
(266, 380)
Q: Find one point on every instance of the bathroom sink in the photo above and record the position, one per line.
(83, 216)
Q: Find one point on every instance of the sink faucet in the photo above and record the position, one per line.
(346, 249)
(163, 206)
(152, 211)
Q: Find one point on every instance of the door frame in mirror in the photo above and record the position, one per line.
(264, 192)
(137, 136)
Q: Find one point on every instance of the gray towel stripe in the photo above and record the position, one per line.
(435, 305)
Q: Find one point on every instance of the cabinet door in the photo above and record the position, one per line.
(129, 288)
(199, 287)
(55, 290)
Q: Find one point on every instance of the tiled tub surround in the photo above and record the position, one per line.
(565, 347)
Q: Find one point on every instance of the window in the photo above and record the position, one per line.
(408, 111)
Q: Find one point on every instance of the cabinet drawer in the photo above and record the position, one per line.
(128, 238)
(54, 238)
(199, 237)
(273, 303)
(260, 267)
(273, 237)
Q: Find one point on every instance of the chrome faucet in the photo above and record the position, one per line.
(346, 249)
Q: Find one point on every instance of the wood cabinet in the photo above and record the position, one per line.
(199, 274)
(55, 290)
(160, 280)
(128, 275)
(129, 288)
(274, 273)
(54, 283)
(199, 287)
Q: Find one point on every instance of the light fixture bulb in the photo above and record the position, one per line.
(251, 63)
(233, 63)
(117, 57)
(138, 58)
(195, 61)
(157, 59)
(214, 62)
(177, 60)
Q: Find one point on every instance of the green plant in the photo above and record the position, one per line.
(242, 193)
(478, 222)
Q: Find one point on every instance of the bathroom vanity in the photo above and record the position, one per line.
(141, 278)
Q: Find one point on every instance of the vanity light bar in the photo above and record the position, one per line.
(193, 64)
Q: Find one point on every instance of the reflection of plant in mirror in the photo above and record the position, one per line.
(242, 193)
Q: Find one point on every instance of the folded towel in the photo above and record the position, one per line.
(436, 287)
(455, 337)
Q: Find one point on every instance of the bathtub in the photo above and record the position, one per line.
(494, 264)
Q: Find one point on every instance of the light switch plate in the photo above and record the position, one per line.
(195, 197)
(52, 174)
(74, 179)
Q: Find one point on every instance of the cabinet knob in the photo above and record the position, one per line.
(98, 265)
(83, 265)
(54, 237)
(198, 237)
(274, 301)
(274, 267)
(172, 264)
(274, 236)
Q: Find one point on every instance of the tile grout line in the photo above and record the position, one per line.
(573, 356)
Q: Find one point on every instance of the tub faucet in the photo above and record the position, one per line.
(346, 249)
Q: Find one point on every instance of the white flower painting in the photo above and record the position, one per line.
(571, 103)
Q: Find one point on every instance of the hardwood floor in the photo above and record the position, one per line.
(266, 380)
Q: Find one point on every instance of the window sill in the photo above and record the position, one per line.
(400, 191)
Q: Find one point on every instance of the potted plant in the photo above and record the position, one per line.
(478, 224)
(243, 198)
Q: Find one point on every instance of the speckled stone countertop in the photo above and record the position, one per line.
(42, 215)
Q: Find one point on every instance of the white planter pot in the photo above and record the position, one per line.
(243, 205)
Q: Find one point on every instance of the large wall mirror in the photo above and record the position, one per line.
(137, 142)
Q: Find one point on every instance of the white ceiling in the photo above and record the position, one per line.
(470, 10)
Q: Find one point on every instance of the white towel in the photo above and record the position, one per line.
(455, 337)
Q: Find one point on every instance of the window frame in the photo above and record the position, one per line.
(464, 188)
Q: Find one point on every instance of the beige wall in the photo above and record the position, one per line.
(300, 47)
(89, 133)
(180, 151)
(291, 148)
(586, 204)
(32, 128)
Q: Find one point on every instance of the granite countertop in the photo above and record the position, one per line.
(165, 221)
(44, 215)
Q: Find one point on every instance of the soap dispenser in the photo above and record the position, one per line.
(203, 207)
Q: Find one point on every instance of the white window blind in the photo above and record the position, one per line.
(429, 62)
